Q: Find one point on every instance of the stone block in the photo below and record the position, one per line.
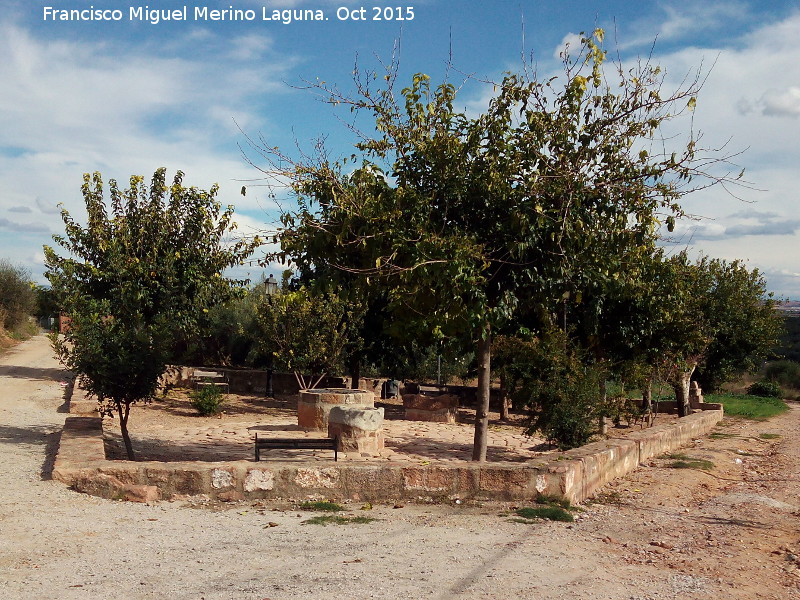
(259, 480)
(437, 409)
(505, 483)
(435, 480)
(604, 461)
(367, 482)
(317, 478)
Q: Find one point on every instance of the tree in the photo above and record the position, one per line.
(557, 185)
(305, 333)
(744, 321)
(147, 264)
(17, 296)
(722, 322)
(682, 316)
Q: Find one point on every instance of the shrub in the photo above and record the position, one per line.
(566, 416)
(207, 400)
(559, 386)
(783, 372)
(766, 389)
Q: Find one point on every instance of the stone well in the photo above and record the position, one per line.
(314, 406)
(357, 428)
(439, 409)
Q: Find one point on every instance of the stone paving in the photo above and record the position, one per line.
(171, 431)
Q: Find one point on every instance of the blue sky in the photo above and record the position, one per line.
(126, 97)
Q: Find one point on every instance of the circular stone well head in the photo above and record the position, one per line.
(367, 418)
(357, 429)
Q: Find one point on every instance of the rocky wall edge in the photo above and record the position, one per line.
(576, 474)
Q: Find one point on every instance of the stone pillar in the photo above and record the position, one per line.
(357, 428)
(438, 409)
(314, 406)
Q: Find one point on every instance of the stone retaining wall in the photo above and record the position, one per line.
(576, 474)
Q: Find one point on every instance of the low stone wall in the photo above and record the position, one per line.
(576, 474)
(80, 404)
(249, 381)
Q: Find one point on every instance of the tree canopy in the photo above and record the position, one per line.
(145, 268)
(557, 187)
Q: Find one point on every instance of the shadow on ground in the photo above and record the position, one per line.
(36, 373)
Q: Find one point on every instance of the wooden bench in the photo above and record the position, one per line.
(201, 379)
(297, 444)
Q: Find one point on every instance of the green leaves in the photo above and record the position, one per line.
(306, 332)
(142, 272)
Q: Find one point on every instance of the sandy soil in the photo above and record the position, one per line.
(663, 533)
(171, 430)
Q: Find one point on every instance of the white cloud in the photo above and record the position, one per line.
(684, 20)
(73, 107)
(23, 227)
(782, 103)
(249, 47)
(571, 43)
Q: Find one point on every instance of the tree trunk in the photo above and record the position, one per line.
(484, 388)
(123, 410)
(602, 423)
(355, 372)
(504, 400)
(681, 387)
(647, 397)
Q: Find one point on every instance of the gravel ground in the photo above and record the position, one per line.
(659, 534)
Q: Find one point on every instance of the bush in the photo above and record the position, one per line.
(560, 388)
(207, 400)
(767, 389)
(17, 297)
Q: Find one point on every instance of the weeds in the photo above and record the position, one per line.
(325, 520)
(553, 500)
(613, 497)
(769, 436)
(683, 461)
(555, 508)
(551, 513)
(321, 506)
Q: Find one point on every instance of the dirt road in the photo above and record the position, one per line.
(663, 533)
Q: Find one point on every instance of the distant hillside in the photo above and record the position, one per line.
(790, 341)
(790, 306)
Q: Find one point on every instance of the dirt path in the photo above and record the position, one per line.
(662, 533)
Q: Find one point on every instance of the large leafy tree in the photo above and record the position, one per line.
(719, 320)
(558, 185)
(707, 318)
(145, 267)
